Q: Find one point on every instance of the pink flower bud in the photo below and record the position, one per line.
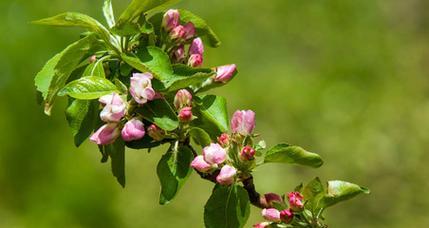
(223, 139)
(295, 201)
(185, 114)
(141, 87)
(179, 54)
(189, 31)
(225, 73)
(214, 154)
(262, 225)
(271, 198)
(286, 216)
(195, 60)
(107, 134)
(171, 19)
(199, 164)
(92, 59)
(155, 132)
(226, 175)
(177, 33)
(243, 122)
(197, 47)
(271, 214)
(247, 153)
(114, 108)
(133, 130)
(182, 99)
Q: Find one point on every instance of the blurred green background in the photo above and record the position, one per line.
(347, 79)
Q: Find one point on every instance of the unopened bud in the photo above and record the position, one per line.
(271, 214)
(179, 54)
(200, 164)
(107, 134)
(247, 153)
(185, 114)
(226, 175)
(296, 201)
(182, 99)
(271, 199)
(214, 154)
(155, 132)
(197, 47)
(177, 33)
(195, 60)
(286, 216)
(189, 31)
(223, 140)
(133, 130)
(92, 59)
(171, 19)
(225, 73)
(243, 122)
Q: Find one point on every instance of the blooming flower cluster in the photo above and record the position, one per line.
(276, 211)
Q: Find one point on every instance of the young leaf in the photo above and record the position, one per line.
(173, 170)
(95, 69)
(185, 76)
(82, 116)
(137, 7)
(285, 153)
(151, 59)
(72, 19)
(160, 113)
(200, 136)
(313, 192)
(116, 152)
(212, 115)
(228, 207)
(56, 72)
(88, 88)
(201, 26)
(108, 13)
(340, 191)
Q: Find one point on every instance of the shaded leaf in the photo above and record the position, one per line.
(200, 136)
(173, 169)
(285, 153)
(82, 117)
(116, 152)
(227, 207)
(212, 115)
(160, 113)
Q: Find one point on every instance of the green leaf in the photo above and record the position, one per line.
(88, 88)
(151, 59)
(340, 191)
(82, 116)
(201, 27)
(200, 136)
(313, 192)
(285, 153)
(108, 13)
(185, 76)
(173, 169)
(212, 115)
(95, 69)
(137, 7)
(57, 70)
(227, 207)
(73, 19)
(116, 152)
(160, 113)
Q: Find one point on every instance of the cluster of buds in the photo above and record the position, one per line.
(181, 35)
(276, 216)
(114, 111)
(183, 104)
(214, 156)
